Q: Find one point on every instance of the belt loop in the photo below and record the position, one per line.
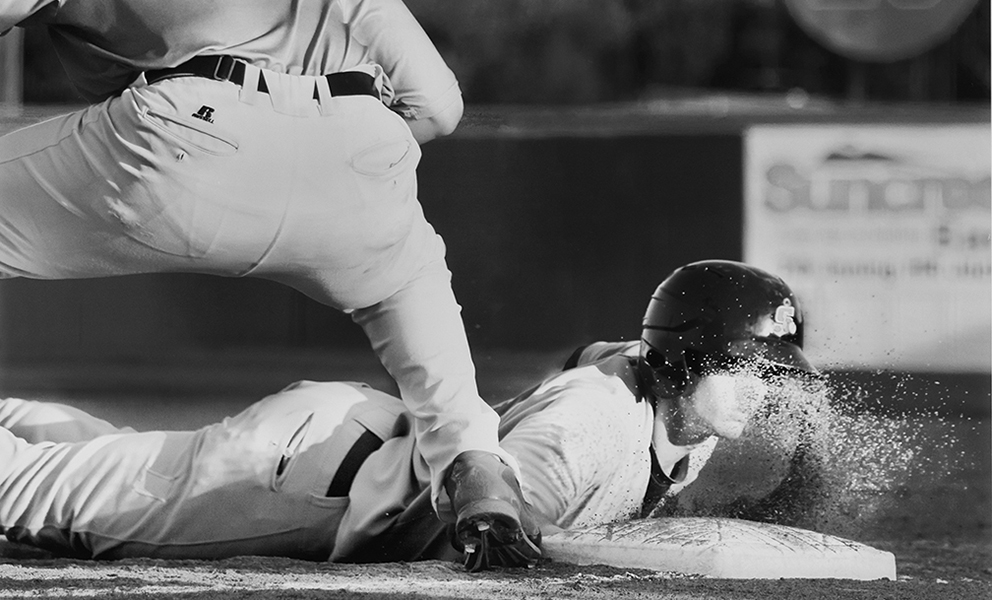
(379, 75)
(249, 87)
(224, 68)
(323, 90)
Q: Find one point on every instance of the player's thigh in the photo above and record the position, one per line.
(135, 184)
(36, 421)
(215, 191)
(12, 455)
(45, 171)
(10, 447)
(80, 497)
(354, 230)
(257, 485)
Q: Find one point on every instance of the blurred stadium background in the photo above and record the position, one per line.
(842, 144)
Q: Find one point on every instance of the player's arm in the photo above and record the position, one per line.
(439, 125)
(95, 76)
(15, 12)
(424, 90)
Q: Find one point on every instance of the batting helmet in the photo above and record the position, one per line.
(717, 314)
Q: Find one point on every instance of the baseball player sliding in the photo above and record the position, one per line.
(271, 139)
(334, 471)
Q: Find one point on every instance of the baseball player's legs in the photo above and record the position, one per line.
(36, 421)
(419, 336)
(352, 231)
(45, 170)
(256, 483)
(191, 174)
(264, 482)
(10, 447)
(359, 241)
(83, 498)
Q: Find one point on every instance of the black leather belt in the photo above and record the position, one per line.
(366, 444)
(228, 68)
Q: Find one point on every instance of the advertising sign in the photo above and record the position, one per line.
(884, 234)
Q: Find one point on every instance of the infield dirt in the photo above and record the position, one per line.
(929, 570)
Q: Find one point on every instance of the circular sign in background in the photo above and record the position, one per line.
(880, 30)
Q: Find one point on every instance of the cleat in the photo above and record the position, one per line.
(486, 499)
(493, 526)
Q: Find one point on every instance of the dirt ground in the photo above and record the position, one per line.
(927, 570)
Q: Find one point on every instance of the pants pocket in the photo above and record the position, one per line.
(192, 133)
(158, 480)
(177, 204)
(288, 459)
(384, 158)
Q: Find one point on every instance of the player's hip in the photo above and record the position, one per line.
(274, 480)
(286, 122)
(183, 175)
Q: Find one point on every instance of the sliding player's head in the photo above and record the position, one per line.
(720, 315)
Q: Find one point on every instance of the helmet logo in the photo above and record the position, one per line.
(785, 323)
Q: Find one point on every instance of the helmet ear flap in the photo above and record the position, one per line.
(661, 378)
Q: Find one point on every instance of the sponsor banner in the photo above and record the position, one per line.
(884, 234)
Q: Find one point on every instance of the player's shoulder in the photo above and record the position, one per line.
(597, 381)
(597, 351)
(595, 404)
(602, 384)
(339, 391)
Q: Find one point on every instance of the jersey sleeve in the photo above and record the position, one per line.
(597, 351)
(422, 83)
(96, 76)
(15, 12)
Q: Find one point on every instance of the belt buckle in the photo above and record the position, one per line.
(224, 68)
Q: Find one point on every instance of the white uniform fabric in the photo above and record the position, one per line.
(581, 439)
(696, 455)
(195, 175)
(105, 44)
(255, 483)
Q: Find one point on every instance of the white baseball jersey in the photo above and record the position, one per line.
(261, 482)
(105, 44)
(290, 183)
